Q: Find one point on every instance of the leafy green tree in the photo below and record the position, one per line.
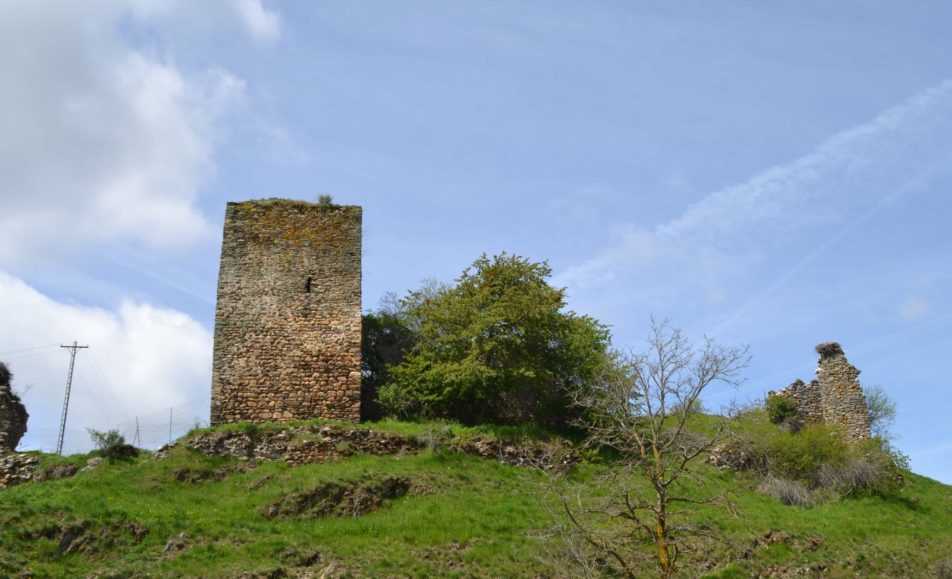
(496, 347)
(386, 339)
(112, 445)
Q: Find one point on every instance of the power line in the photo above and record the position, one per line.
(69, 384)
(25, 356)
(27, 349)
(97, 367)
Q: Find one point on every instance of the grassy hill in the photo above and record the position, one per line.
(432, 512)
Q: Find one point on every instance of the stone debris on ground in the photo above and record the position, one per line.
(311, 444)
(16, 468)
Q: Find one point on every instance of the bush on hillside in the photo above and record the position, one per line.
(874, 468)
(819, 459)
(740, 454)
(112, 445)
(781, 409)
(787, 491)
(496, 347)
(801, 455)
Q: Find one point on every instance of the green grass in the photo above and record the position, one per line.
(466, 517)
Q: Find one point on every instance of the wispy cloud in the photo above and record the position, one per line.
(827, 193)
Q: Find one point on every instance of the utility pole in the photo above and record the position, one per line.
(69, 384)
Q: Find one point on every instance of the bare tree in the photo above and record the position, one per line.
(881, 409)
(643, 414)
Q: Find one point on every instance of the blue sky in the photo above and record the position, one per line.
(772, 174)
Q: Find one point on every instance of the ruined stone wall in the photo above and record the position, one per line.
(835, 397)
(807, 398)
(841, 394)
(13, 415)
(288, 317)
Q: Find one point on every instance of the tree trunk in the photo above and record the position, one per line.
(661, 537)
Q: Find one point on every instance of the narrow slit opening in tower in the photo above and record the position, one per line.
(307, 285)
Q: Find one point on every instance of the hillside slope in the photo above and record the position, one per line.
(432, 510)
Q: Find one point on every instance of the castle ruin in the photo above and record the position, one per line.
(835, 397)
(13, 415)
(288, 315)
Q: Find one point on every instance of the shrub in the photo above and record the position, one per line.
(881, 409)
(397, 402)
(325, 200)
(696, 407)
(496, 347)
(800, 456)
(742, 455)
(436, 439)
(788, 492)
(112, 445)
(853, 477)
(781, 409)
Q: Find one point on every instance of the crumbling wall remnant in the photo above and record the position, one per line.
(835, 397)
(13, 415)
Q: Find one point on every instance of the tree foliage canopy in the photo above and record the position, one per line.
(495, 347)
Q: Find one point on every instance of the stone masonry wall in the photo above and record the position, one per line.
(835, 396)
(288, 317)
(13, 415)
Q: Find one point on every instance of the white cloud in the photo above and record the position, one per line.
(141, 361)
(263, 24)
(100, 141)
(259, 23)
(106, 140)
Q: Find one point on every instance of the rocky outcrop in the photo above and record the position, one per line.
(312, 444)
(16, 468)
(835, 397)
(297, 445)
(13, 415)
(332, 499)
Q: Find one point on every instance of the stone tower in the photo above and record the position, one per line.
(287, 321)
